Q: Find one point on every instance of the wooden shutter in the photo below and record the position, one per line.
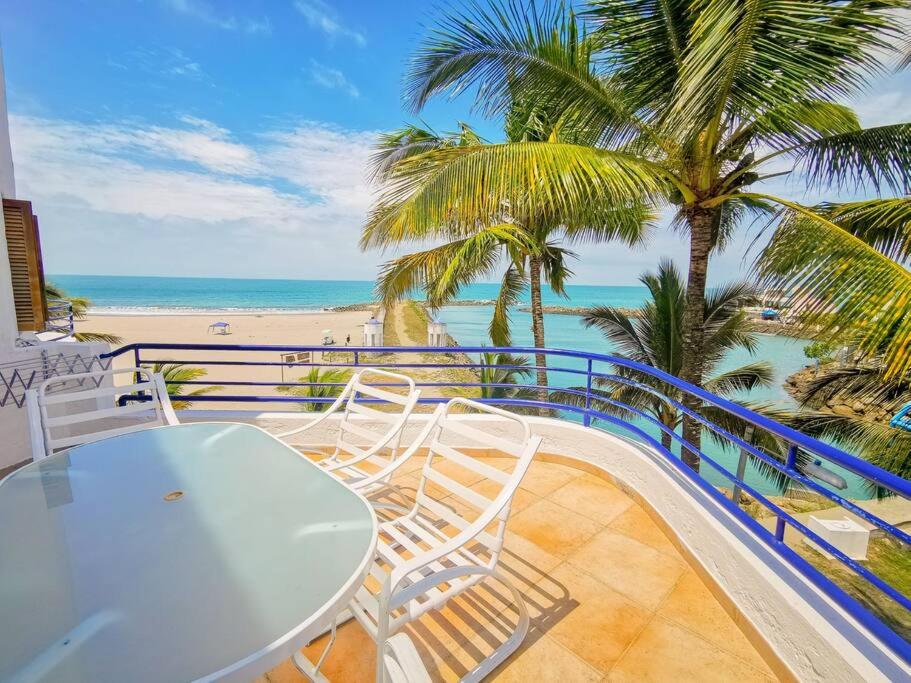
(24, 247)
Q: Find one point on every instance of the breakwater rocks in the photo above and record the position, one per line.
(580, 310)
(365, 306)
(845, 406)
(777, 327)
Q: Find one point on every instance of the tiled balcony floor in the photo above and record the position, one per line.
(609, 596)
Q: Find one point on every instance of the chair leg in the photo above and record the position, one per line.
(308, 668)
(498, 656)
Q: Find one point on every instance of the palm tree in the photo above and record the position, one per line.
(318, 383)
(80, 306)
(655, 338)
(175, 375)
(689, 104)
(527, 243)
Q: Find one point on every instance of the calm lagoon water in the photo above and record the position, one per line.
(468, 324)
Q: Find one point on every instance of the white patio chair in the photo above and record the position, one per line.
(71, 410)
(442, 546)
(358, 458)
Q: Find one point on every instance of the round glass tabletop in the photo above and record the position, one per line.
(173, 554)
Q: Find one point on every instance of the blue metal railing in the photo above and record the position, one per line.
(60, 317)
(591, 405)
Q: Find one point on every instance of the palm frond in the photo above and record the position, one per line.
(456, 189)
(872, 157)
(511, 50)
(511, 288)
(103, 337)
(605, 222)
(748, 57)
(744, 378)
(884, 224)
(837, 282)
(796, 123)
(441, 271)
(877, 442)
(620, 331)
(645, 42)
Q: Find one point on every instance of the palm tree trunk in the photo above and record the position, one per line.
(693, 363)
(537, 324)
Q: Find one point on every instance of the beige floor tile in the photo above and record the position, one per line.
(543, 478)
(553, 528)
(602, 624)
(635, 522)
(693, 606)
(667, 652)
(593, 499)
(634, 569)
(538, 659)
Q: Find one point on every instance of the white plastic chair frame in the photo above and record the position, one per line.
(41, 424)
(351, 469)
(402, 661)
(415, 557)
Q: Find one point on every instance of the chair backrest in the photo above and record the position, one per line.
(469, 492)
(71, 410)
(356, 436)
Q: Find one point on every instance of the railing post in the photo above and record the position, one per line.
(789, 464)
(586, 419)
(357, 356)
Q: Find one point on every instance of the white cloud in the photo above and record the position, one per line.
(334, 79)
(289, 205)
(321, 16)
(201, 10)
(170, 62)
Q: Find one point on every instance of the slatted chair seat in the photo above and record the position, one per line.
(71, 410)
(368, 440)
(452, 537)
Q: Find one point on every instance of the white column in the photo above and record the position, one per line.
(8, 328)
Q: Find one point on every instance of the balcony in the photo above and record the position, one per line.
(633, 564)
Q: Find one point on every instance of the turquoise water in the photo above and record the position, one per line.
(160, 294)
(468, 324)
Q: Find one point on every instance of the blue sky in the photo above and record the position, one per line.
(228, 138)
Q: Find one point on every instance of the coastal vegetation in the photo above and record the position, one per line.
(318, 383)
(175, 377)
(685, 106)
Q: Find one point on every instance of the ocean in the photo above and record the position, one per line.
(110, 293)
(467, 324)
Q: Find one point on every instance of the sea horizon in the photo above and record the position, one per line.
(183, 295)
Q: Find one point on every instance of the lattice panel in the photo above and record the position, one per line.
(15, 380)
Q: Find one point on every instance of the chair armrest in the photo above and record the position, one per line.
(404, 457)
(324, 416)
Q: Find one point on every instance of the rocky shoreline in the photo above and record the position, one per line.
(865, 408)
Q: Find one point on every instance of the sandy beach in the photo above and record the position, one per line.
(246, 328)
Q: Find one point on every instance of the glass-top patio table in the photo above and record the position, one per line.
(202, 551)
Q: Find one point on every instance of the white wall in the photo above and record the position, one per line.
(8, 328)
